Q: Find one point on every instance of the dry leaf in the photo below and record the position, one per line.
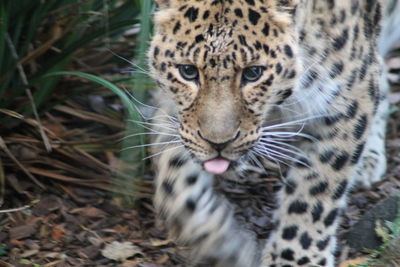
(89, 212)
(163, 259)
(349, 263)
(52, 255)
(159, 243)
(23, 231)
(95, 241)
(53, 263)
(18, 243)
(29, 253)
(57, 233)
(5, 264)
(132, 263)
(120, 251)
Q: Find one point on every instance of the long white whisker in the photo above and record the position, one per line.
(283, 144)
(147, 133)
(293, 122)
(164, 125)
(133, 104)
(276, 160)
(275, 157)
(152, 144)
(152, 130)
(280, 155)
(282, 134)
(158, 153)
(300, 154)
(263, 151)
(173, 122)
(131, 96)
(280, 127)
(165, 116)
(289, 134)
(283, 156)
(140, 103)
(128, 61)
(268, 138)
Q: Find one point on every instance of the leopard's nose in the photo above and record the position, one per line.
(221, 145)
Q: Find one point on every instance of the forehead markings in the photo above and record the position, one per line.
(218, 33)
(219, 21)
(218, 38)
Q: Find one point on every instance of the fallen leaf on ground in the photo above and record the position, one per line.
(120, 251)
(53, 263)
(131, 263)
(163, 259)
(349, 263)
(89, 212)
(17, 243)
(159, 243)
(29, 253)
(57, 233)
(5, 264)
(23, 231)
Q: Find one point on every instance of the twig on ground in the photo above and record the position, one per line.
(15, 209)
(24, 80)
(22, 167)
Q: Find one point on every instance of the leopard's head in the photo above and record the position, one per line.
(226, 64)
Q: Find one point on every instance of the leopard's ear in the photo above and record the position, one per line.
(288, 6)
(283, 11)
(288, 3)
(165, 12)
(163, 3)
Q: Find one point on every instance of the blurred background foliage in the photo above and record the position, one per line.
(65, 69)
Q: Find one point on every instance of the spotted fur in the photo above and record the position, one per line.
(320, 69)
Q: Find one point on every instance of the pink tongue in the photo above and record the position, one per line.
(216, 166)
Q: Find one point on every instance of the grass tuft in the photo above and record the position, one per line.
(46, 49)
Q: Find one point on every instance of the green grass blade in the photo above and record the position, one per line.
(122, 95)
(3, 31)
(141, 53)
(90, 37)
(130, 157)
(139, 85)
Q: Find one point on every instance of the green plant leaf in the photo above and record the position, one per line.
(122, 95)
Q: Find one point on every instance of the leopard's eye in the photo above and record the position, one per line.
(188, 72)
(252, 74)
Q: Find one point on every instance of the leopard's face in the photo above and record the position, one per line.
(226, 64)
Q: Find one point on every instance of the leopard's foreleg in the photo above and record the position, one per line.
(314, 195)
(199, 217)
